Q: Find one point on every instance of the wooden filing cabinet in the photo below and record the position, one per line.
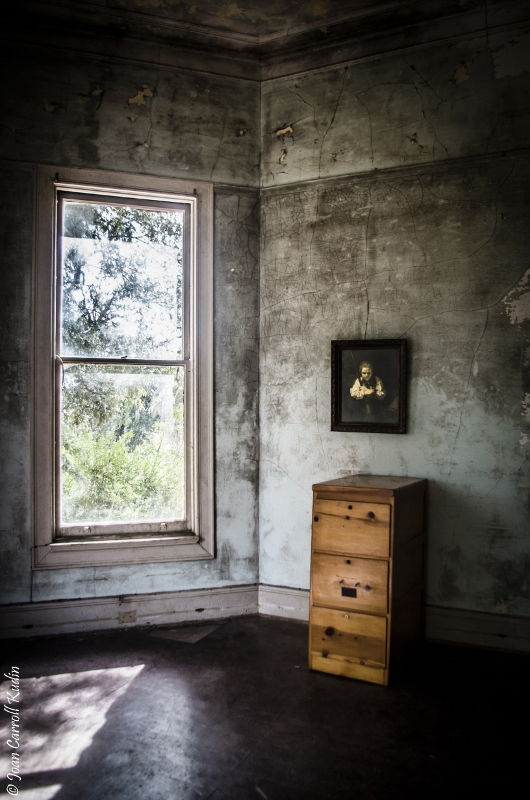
(367, 564)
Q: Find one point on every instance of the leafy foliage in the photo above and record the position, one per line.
(122, 448)
(112, 305)
(107, 478)
(123, 224)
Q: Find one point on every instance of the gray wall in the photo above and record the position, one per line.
(191, 127)
(394, 207)
(414, 232)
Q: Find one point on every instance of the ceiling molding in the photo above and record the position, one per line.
(364, 33)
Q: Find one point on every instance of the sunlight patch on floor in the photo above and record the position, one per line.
(59, 717)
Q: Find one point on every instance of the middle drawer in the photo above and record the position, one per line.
(358, 584)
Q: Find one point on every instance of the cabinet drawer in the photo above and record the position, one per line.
(359, 584)
(340, 526)
(355, 638)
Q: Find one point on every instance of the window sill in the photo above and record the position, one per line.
(109, 552)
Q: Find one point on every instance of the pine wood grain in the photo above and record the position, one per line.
(361, 673)
(367, 577)
(350, 637)
(368, 539)
(347, 527)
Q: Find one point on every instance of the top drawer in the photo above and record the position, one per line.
(342, 526)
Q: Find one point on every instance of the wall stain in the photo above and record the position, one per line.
(448, 589)
(227, 558)
(511, 579)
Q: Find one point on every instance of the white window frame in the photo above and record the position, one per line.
(145, 542)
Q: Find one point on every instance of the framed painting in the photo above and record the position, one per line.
(369, 385)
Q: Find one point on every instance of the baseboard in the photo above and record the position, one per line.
(280, 601)
(478, 629)
(450, 625)
(129, 611)
(163, 608)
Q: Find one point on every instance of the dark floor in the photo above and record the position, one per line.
(238, 715)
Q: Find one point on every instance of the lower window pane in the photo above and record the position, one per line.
(122, 444)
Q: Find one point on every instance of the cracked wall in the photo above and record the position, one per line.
(393, 244)
(126, 117)
(428, 104)
(110, 115)
(436, 252)
(439, 258)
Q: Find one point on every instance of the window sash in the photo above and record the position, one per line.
(51, 549)
(130, 528)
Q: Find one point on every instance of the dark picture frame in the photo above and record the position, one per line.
(369, 385)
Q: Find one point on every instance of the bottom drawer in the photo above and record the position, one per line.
(348, 637)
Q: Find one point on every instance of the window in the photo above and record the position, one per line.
(123, 427)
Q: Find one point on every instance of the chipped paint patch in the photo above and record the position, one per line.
(524, 440)
(82, 99)
(517, 301)
(461, 73)
(139, 99)
(283, 156)
(414, 140)
(51, 107)
(283, 131)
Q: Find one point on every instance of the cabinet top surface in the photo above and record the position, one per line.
(386, 483)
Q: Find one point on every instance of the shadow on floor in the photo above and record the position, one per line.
(236, 715)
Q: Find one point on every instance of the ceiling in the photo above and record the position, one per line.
(251, 40)
(260, 20)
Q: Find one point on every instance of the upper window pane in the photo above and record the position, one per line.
(122, 272)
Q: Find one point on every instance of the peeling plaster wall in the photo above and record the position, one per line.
(430, 104)
(111, 115)
(16, 213)
(435, 253)
(93, 114)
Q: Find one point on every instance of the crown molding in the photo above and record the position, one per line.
(388, 28)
